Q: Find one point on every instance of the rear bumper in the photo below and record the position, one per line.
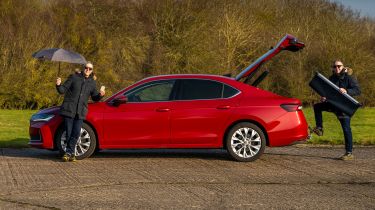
(292, 128)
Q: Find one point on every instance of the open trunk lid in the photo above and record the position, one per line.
(288, 42)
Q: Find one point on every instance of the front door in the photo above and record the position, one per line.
(144, 121)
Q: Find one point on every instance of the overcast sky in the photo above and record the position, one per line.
(365, 7)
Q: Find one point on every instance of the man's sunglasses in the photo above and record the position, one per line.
(336, 66)
(88, 68)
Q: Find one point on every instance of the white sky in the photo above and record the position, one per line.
(365, 7)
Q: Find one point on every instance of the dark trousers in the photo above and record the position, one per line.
(344, 121)
(73, 130)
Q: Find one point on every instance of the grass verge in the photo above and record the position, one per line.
(14, 127)
(362, 123)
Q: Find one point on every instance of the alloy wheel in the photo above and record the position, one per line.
(246, 142)
(83, 143)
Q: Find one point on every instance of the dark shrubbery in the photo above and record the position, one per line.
(130, 40)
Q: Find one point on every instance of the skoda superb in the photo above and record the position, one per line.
(185, 111)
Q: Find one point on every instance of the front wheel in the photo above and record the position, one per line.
(86, 143)
(245, 142)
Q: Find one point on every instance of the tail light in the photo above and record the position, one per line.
(291, 107)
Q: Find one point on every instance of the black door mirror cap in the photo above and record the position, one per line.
(120, 100)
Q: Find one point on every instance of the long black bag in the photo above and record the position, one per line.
(326, 88)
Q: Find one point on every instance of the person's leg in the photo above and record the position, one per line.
(76, 132)
(345, 124)
(68, 124)
(318, 109)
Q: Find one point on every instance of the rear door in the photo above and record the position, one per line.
(201, 109)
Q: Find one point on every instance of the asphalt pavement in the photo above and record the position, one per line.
(283, 178)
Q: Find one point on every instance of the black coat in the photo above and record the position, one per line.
(347, 82)
(77, 90)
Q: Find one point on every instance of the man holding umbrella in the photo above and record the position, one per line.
(77, 89)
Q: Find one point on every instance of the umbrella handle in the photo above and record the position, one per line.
(58, 73)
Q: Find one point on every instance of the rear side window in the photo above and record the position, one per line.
(193, 89)
(229, 91)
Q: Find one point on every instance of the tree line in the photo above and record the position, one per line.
(128, 40)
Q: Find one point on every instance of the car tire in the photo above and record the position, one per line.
(245, 142)
(83, 149)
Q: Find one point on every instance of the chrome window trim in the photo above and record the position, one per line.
(174, 81)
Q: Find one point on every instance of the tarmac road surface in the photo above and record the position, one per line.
(283, 178)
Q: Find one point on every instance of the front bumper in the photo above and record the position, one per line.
(42, 133)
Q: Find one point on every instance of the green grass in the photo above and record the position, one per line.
(14, 127)
(362, 123)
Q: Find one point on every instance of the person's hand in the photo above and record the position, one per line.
(342, 90)
(58, 81)
(102, 90)
(323, 99)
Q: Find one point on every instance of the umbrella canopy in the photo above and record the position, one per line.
(61, 55)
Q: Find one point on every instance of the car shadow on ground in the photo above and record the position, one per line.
(218, 154)
(207, 154)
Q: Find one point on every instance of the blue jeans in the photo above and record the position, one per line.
(73, 130)
(344, 121)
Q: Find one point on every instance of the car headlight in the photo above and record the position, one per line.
(41, 117)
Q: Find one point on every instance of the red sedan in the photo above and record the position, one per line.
(185, 111)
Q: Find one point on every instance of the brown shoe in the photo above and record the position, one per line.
(347, 156)
(318, 131)
(65, 157)
(72, 158)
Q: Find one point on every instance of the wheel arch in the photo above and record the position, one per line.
(61, 126)
(58, 129)
(95, 132)
(241, 121)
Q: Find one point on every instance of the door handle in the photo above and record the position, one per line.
(223, 107)
(163, 109)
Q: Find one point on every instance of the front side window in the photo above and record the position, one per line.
(155, 91)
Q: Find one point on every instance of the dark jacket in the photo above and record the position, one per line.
(77, 90)
(347, 82)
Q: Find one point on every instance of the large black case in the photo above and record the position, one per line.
(326, 88)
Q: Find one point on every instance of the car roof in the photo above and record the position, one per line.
(224, 79)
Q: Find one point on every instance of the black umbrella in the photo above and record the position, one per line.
(60, 55)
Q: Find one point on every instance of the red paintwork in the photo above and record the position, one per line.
(187, 124)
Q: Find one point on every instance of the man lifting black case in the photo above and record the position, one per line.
(336, 93)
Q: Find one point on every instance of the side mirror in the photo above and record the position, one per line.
(120, 100)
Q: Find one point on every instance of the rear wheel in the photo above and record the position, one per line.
(86, 143)
(245, 142)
